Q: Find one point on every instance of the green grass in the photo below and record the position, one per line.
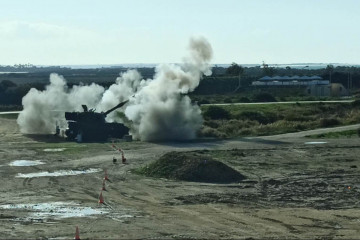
(8, 108)
(342, 134)
(9, 116)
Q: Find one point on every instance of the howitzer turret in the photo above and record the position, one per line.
(92, 126)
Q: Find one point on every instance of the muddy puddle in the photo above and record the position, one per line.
(59, 173)
(25, 163)
(54, 149)
(59, 210)
(55, 210)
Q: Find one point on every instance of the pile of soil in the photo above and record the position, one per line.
(190, 166)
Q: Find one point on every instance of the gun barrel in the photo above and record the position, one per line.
(116, 107)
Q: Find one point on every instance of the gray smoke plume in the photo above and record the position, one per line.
(43, 109)
(158, 108)
(125, 86)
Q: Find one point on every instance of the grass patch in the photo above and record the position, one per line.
(341, 134)
(9, 116)
(190, 166)
(7, 108)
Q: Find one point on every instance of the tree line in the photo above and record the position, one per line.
(233, 79)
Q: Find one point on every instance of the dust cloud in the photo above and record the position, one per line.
(158, 108)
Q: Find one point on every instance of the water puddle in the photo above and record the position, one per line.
(40, 212)
(58, 173)
(26, 163)
(55, 210)
(311, 143)
(54, 149)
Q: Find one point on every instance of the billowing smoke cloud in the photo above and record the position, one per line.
(159, 108)
(44, 109)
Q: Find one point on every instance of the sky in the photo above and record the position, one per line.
(65, 32)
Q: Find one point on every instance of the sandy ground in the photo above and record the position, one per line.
(294, 190)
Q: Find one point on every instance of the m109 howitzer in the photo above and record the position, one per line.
(92, 126)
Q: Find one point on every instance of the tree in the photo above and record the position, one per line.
(235, 69)
(5, 84)
(329, 69)
(268, 71)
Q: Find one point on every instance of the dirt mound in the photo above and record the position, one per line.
(191, 167)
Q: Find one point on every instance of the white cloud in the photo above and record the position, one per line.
(17, 29)
(44, 43)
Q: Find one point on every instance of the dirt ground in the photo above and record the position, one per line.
(296, 188)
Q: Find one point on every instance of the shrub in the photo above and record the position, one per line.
(228, 100)
(353, 117)
(233, 127)
(216, 112)
(5, 84)
(356, 103)
(292, 116)
(203, 101)
(257, 116)
(264, 97)
(244, 100)
(246, 132)
(329, 122)
(211, 123)
(211, 132)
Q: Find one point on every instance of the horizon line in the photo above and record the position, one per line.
(156, 64)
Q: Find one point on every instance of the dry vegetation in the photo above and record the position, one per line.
(267, 119)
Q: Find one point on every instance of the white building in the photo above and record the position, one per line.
(333, 89)
(315, 85)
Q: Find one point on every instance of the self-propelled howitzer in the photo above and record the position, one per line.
(92, 126)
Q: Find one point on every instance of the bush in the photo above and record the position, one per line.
(5, 84)
(356, 103)
(257, 116)
(234, 127)
(353, 117)
(228, 100)
(211, 132)
(244, 100)
(293, 116)
(203, 101)
(216, 112)
(329, 122)
(211, 123)
(264, 97)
